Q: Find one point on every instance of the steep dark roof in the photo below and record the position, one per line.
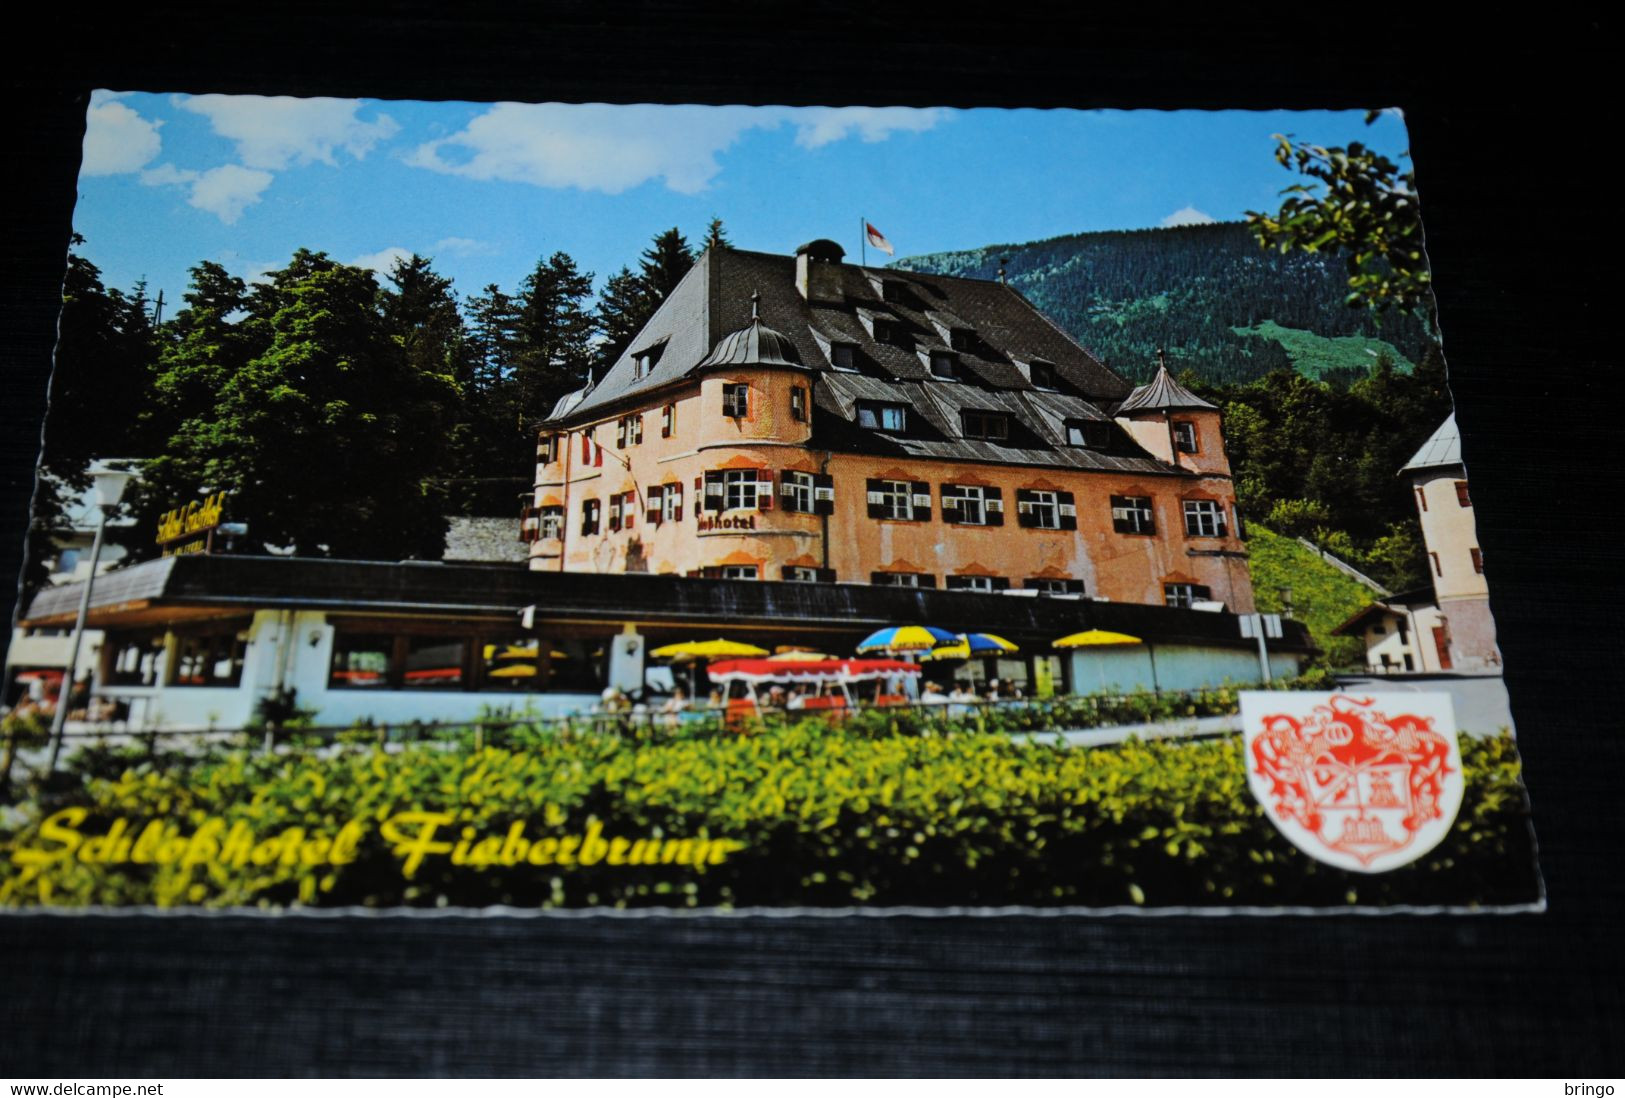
(1163, 393)
(714, 298)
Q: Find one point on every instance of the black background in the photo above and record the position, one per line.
(1510, 138)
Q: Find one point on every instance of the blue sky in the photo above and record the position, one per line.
(488, 189)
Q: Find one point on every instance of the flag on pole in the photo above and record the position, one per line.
(877, 239)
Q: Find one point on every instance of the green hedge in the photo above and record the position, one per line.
(827, 816)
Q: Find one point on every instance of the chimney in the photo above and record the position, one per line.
(818, 270)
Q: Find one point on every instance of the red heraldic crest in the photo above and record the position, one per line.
(1363, 783)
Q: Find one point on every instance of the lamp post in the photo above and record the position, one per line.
(109, 489)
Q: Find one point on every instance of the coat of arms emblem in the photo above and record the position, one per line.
(1366, 783)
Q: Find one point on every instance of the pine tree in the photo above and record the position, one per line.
(715, 237)
(624, 307)
(421, 312)
(554, 336)
(664, 264)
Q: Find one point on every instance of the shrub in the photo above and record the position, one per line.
(828, 815)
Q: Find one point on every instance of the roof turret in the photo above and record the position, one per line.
(1163, 393)
(753, 345)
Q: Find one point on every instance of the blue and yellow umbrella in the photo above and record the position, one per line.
(969, 645)
(906, 638)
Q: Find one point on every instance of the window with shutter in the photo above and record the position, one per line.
(671, 502)
(1067, 508)
(614, 512)
(1133, 515)
(764, 490)
(892, 499)
(736, 401)
(629, 509)
(552, 522)
(589, 516)
(798, 403)
(654, 498)
(796, 491)
(547, 450)
(668, 420)
(1040, 509)
(964, 504)
(1462, 498)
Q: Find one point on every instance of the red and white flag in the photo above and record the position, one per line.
(877, 239)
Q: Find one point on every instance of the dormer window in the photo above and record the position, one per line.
(944, 365)
(892, 331)
(893, 291)
(643, 363)
(1087, 432)
(993, 426)
(962, 339)
(882, 417)
(1042, 375)
(843, 356)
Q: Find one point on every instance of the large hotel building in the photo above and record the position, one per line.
(805, 419)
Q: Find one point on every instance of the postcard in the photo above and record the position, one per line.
(539, 508)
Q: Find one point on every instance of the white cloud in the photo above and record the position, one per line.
(382, 262)
(599, 147)
(818, 126)
(462, 245)
(228, 190)
(117, 139)
(224, 191)
(1190, 215)
(276, 132)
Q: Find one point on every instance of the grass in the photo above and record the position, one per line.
(1322, 597)
(1314, 355)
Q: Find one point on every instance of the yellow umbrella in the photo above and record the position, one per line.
(707, 650)
(513, 671)
(1096, 636)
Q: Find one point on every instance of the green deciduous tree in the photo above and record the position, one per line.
(1359, 205)
(330, 438)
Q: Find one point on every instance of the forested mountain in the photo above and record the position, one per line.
(1223, 307)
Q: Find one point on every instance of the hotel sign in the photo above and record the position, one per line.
(190, 529)
(729, 522)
